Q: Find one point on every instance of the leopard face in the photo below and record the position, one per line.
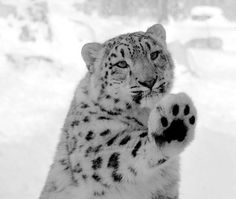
(135, 68)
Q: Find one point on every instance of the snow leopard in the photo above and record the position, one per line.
(124, 131)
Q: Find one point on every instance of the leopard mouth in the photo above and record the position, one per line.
(159, 90)
(152, 94)
(145, 96)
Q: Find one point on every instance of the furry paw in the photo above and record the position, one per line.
(171, 124)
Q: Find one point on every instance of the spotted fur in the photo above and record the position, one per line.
(108, 147)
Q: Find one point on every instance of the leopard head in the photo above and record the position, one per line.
(135, 68)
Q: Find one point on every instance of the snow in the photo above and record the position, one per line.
(206, 10)
(37, 80)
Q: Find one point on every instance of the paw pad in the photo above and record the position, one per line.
(164, 121)
(186, 110)
(176, 131)
(175, 109)
(192, 120)
(175, 124)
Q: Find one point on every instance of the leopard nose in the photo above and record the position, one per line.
(148, 83)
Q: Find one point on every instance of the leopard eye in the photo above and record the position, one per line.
(155, 54)
(122, 64)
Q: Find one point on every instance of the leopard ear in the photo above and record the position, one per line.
(89, 53)
(158, 32)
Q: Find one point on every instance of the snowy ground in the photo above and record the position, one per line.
(37, 80)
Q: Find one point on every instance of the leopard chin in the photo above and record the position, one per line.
(150, 100)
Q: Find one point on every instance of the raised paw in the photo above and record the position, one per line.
(171, 124)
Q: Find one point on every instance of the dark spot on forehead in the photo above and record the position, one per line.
(143, 51)
(148, 45)
(113, 55)
(122, 52)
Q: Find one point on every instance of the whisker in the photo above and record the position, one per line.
(137, 94)
(160, 85)
(134, 86)
(137, 91)
(140, 89)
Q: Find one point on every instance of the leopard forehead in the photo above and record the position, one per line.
(136, 44)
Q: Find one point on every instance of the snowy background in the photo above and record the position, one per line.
(40, 65)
